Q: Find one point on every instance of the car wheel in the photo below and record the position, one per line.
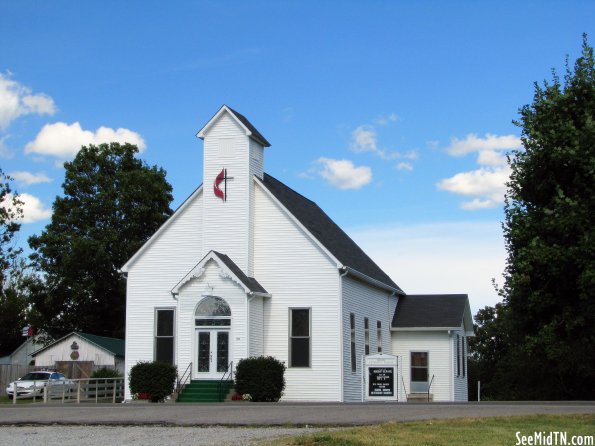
(9, 397)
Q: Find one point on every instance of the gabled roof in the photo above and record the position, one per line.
(114, 346)
(433, 311)
(251, 131)
(326, 231)
(249, 284)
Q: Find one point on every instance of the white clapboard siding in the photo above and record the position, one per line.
(459, 381)
(226, 223)
(298, 274)
(169, 255)
(363, 301)
(256, 329)
(438, 344)
(256, 169)
(87, 352)
(210, 283)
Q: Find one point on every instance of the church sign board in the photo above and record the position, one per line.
(381, 377)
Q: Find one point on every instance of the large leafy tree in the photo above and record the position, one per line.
(549, 231)
(12, 304)
(112, 203)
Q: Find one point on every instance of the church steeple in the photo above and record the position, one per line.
(233, 155)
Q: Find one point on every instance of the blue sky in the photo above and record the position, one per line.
(393, 116)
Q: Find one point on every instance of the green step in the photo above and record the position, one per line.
(205, 391)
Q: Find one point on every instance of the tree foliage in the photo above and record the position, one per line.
(548, 316)
(112, 203)
(10, 212)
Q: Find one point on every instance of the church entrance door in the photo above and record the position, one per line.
(212, 356)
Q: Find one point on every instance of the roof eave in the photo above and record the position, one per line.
(372, 281)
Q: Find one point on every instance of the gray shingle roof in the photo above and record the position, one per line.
(255, 133)
(326, 231)
(430, 311)
(250, 282)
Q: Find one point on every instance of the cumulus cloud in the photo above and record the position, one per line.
(363, 139)
(487, 185)
(385, 120)
(404, 166)
(63, 141)
(18, 100)
(343, 174)
(28, 178)
(33, 208)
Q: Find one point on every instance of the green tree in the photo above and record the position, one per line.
(549, 231)
(112, 203)
(12, 305)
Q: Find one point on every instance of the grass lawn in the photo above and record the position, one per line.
(6, 400)
(465, 431)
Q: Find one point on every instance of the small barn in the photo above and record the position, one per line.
(77, 354)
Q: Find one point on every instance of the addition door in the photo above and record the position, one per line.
(212, 353)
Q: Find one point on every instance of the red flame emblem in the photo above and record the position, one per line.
(220, 179)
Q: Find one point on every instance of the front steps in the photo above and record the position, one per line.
(205, 391)
(419, 398)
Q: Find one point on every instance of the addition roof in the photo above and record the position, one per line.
(112, 345)
(327, 232)
(436, 311)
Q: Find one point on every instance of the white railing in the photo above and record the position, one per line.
(97, 390)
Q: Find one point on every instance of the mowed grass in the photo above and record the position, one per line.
(465, 431)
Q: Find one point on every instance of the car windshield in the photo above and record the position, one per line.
(36, 376)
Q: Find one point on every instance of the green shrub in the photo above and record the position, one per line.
(260, 377)
(154, 378)
(106, 373)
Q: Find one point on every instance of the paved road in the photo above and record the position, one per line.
(271, 414)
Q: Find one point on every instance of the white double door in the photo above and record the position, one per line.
(212, 352)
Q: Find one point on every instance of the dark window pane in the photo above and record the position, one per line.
(165, 322)
(164, 350)
(204, 351)
(213, 322)
(300, 322)
(419, 359)
(222, 350)
(353, 358)
(352, 321)
(300, 352)
(419, 374)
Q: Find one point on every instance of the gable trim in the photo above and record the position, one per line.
(128, 265)
(225, 109)
(78, 335)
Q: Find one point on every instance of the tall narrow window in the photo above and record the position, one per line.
(379, 336)
(366, 336)
(299, 337)
(164, 335)
(458, 358)
(419, 372)
(352, 329)
(463, 354)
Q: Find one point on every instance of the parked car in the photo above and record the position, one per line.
(33, 383)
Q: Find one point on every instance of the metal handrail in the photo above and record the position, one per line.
(182, 380)
(228, 371)
(430, 385)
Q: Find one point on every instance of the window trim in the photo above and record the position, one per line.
(290, 338)
(427, 352)
(173, 336)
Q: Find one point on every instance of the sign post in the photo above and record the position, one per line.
(381, 380)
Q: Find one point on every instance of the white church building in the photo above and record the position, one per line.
(246, 267)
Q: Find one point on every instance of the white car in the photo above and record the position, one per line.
(33, 383)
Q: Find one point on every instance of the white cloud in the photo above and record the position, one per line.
(472, 143)
(363, 139)
(343, 174)
(440, 258)
(404, 166)
(5, 152)
(33, 208)
(487, 185)
(384, 120)
(17, 100)
(64, 141)
(29, 178)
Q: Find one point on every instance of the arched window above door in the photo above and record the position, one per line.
(213, 311)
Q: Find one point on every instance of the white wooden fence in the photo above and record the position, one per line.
(85, 390)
